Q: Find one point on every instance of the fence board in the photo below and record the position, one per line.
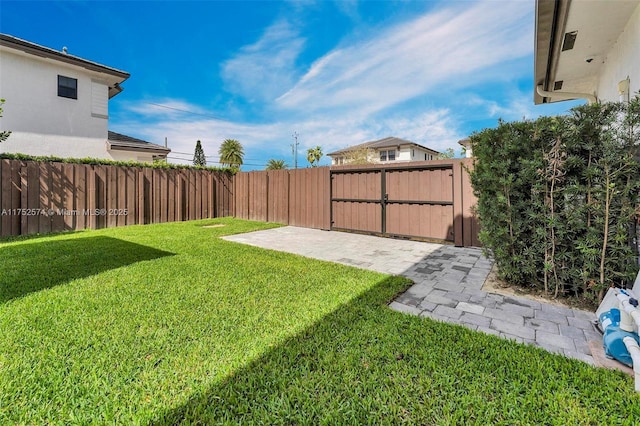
(171, 197)
(111, 191)
(278, 197)
(131, 186)
(67, 175)
(10, 196)
(242, 195)
(57, 198)
(44, 204)
(156, 194)
(80, 194)
(32, 191)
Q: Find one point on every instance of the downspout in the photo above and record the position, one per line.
(566, 95)
(634, 351)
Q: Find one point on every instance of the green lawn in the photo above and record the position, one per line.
(164, 324)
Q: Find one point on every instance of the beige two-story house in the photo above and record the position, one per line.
(383, 151)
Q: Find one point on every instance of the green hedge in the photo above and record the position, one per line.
(99, 161)
(558, 197)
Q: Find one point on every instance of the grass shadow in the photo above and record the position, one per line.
(28, 267)
(367, 364)
(27, 237)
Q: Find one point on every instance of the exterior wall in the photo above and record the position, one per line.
(412, 153)
(54, 145)
(131, 156)
(622, 60)
(44, 123)
(68, 146)
(418, 154)
(404, 154)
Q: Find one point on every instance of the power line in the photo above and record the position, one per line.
(216, 162)
(209, 156)
(184, 110)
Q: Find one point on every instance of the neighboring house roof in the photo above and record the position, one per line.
(572, 39)
(121, 142)
(388, 142)
(117, 76)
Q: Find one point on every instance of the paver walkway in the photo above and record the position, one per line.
(448, 282)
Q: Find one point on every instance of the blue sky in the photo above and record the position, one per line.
(337, 73)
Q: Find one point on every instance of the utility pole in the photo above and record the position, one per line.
(294, 150)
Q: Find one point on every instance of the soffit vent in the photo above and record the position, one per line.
(569, 40)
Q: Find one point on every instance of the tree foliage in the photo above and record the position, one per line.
(314, 155)
(276, 165)
(102, 161)
(557, 198)
(359, 155)
(231, 154)
(198, 156)
(4, 135)
(446, 154)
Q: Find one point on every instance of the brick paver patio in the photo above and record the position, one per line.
(447, 286)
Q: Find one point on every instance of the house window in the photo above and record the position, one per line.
(388, 155)
(67, 87)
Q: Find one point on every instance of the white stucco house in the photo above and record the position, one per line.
(57, 105)
(587, 50)
(384, 151)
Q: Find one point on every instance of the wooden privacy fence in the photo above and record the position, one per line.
(297, 197)
(431, 200)
(425, 200)
(43, 197)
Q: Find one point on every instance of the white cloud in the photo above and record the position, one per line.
(168, 108)
(515, 105)
(363, 90)
(349, 8)
(435, 129)
(265, 69)
(182, 134)
(413, 58)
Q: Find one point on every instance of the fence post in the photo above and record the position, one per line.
(458, 215)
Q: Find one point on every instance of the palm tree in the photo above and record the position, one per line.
(276, 165)
(231, 153)
(314, 155)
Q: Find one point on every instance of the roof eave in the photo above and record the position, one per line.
(45, 52)
(153, 149)
(551, 18)
(114, 90)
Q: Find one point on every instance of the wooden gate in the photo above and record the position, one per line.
(411, 201)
